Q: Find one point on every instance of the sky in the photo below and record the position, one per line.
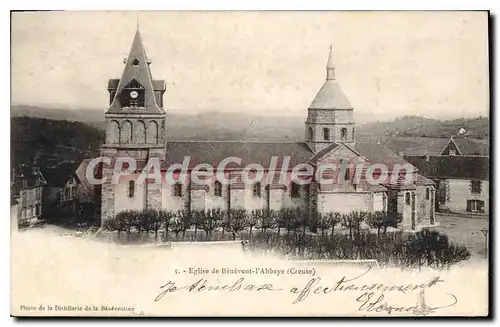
(389, 64)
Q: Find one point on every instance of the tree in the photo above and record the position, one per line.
(116, 223)
(291, 219)
(127, 219)
(166, 218)
(324, 223)
(177, 224)
(267, 220)
(155, 222)
(237, 221)
(335, 219)
(377, 220)
(208, 221)
(353, 221)
(254, 218)
(196, 219)
(185, 217)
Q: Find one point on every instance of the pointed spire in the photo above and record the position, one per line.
(330, 67)
(137, 70)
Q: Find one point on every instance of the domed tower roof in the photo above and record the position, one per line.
(330, 96)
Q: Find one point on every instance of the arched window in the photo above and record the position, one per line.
(152, 133)
(353, 133)
(256, 189)
(344, 164)
(310, 133)
(126, 132)
(407, 198)
(131, 189)
(326, 134)
(343, 134)
(427, 194)
(218, 189)
(113, 132)
(140, 132)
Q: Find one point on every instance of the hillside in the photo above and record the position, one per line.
(242, 126)
(51, 141)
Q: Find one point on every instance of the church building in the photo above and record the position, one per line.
(136, 127)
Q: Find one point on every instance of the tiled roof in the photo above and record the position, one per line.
(250, 152)
(378, 154)
(460, 167)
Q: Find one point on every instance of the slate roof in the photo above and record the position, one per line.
(58, 176)
(213, 153)
(457, 167)
(469, 147)
(139, 72)
(158, 85)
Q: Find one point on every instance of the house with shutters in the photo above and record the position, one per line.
(136, 128)
(461, 181)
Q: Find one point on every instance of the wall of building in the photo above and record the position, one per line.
(424, 205)
(29, 200)
(343, 202)
(459, 191)
(121, 193)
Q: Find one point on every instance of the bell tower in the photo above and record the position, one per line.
(135, 119)
(135, 128)
(330, 116)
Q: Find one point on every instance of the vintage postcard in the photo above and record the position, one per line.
(250, 164)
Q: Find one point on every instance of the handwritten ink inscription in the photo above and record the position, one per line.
(371, 298)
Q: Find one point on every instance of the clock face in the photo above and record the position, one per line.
(134, 94)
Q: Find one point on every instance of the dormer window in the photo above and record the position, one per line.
(135, 62)
(133, 95)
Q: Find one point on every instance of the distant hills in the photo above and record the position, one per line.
(242, 126)
(415, 126)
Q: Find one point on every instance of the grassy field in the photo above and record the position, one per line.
(465, 231)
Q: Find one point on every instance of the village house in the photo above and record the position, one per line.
(49, 193)
(462, 182)
(136, 127)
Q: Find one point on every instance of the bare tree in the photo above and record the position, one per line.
(166, 218)
(178, 224)
(209, 222)
(237, 221)
(253, 219)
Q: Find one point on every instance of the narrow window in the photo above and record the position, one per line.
(407, 199)
(177, 189)
(131, 189)
(343, 134)
(218, 189)
(256, 189)
(344, 164)
(310, 133)
(295, 190)
(427, 194)
(326, 134)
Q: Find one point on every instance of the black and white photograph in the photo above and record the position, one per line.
(250, 163)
